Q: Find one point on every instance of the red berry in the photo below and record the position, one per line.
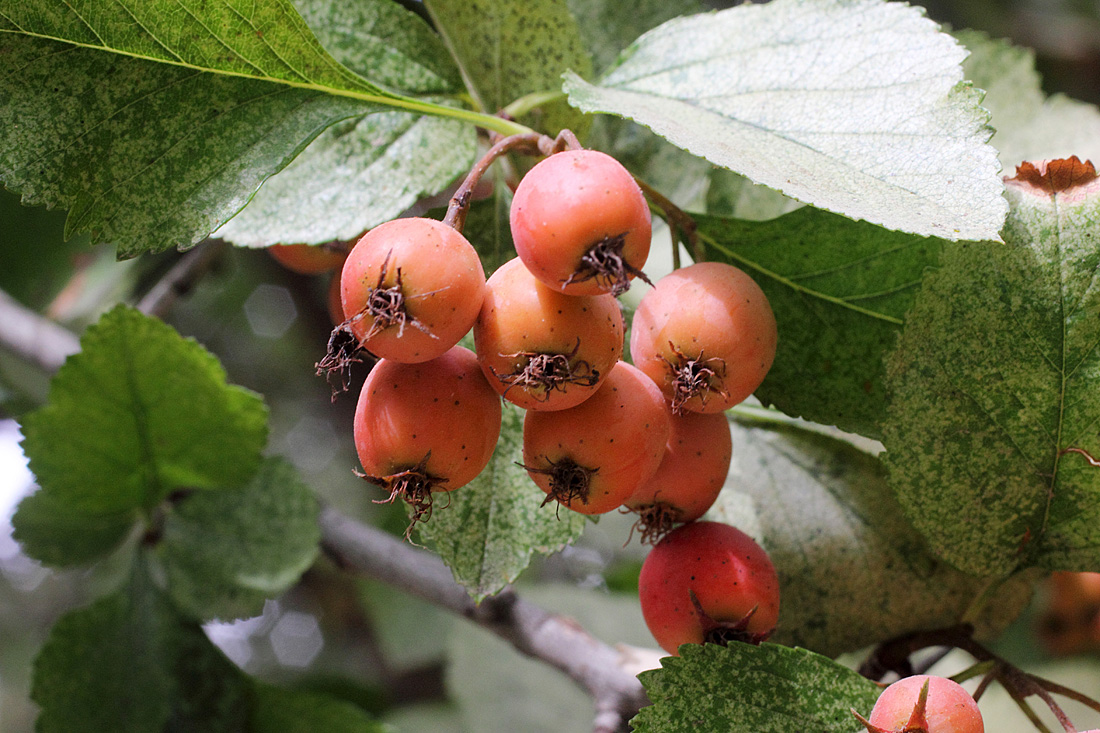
(411, 289)
(690, 477)
(541, 349)
(429, 426)
(308, 259)
(593, 456)
(581, 224)
(927, 704)
(706, 335)
(707, 581)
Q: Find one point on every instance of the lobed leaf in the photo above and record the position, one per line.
(753, 689)
(994, 377)
(488, 530)
(225, 552)
(856, 106)
(139, 413)
(840, 290)
(852, 570)
(511, 48)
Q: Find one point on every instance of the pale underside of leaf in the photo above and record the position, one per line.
(353, 177)
(856, 106)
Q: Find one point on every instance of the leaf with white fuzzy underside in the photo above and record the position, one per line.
(856, 106)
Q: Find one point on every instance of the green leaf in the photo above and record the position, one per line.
(1030, 125)
(225, 552)
(155, 124)
(279, 710)
(511, 48)
(839, 290)
(138, 413)
(852, 570)
(128, 663)
(488, 530)
(355, 176)
(734, 196)
(753, 689)
(996, 373)
(384, 42)
(53, 533)
(607, 27)
(856, 106)
(362, 172)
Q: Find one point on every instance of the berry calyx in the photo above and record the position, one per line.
(708, 582)
(712, 355)
(541, 349)
(410, 289)
(581, 224)
(593, 456)
(924, 704)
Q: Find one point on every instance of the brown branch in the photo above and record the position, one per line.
(35, 339)
(596, 667)
(181, 278)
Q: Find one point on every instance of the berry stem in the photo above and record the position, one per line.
(530, 143)
(679, 223)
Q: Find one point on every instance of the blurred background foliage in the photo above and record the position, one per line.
(369, 643)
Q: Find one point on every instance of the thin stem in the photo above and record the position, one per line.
(182, 277)
(981, 668)
(528, 102)
(532, 143)
(678, 222)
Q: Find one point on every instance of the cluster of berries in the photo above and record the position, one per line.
(599, 433)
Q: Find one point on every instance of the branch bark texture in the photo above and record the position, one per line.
(599, 669)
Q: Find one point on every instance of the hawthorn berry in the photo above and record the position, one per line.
(592, 457)
(708, 582)
(411, 289)
(308, 259)
(580, 223)
(541, 349)
(690, 477)
(424, 427)
(706, 335)
(924, 704)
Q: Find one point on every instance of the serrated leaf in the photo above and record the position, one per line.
(366, 171)
(510, 48)
(384, 42)
(355, 176)
(225, 552)
(52, 533)
(852, 570)
(753, 689)
(1029, 125)
(839, 290)
(129, 664)
(279, 710)
(137, 414)
(105, 668)
(996, 374)
(155, 126)
(732, 195)
(856, 106)
(491, 527)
